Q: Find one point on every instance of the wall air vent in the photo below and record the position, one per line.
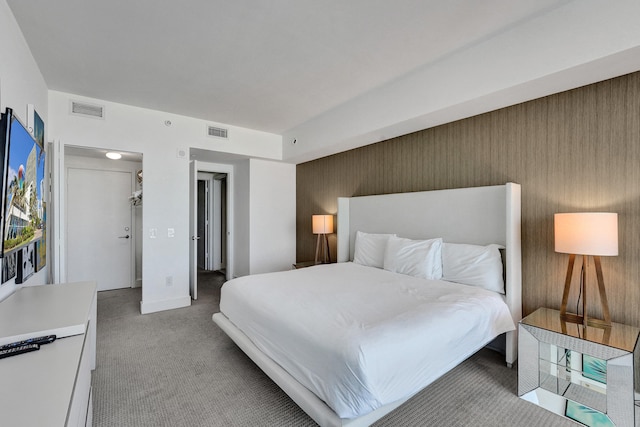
(217, 132)
(87, 110)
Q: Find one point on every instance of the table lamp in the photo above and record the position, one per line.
(591, 235)
(322, 225)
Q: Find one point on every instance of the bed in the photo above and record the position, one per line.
(350, 342)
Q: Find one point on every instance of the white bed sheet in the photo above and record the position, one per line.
(361, 337)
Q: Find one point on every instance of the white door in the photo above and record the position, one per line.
(216, 218)
(193, 229)
(98, 226)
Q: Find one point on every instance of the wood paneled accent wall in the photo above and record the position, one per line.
(573, 151)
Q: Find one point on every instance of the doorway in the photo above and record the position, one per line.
(203, 223)
(102, 222)
(215, 223)
(211, 221)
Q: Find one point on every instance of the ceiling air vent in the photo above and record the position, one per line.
(87, 110)
(217, 132)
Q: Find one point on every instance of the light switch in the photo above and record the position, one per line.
(153, 233)
(171, 232)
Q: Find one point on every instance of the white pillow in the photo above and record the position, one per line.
(418, 258)
(473, 265)
(370, 248)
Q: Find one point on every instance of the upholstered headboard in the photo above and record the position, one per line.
(477, 215)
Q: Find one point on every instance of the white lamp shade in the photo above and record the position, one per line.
(592, 233)
(322, 224)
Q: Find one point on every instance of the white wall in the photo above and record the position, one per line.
(273, 216)
(166, 178)
(21, 83)
(265, 216)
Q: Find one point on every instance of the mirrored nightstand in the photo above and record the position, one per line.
(586, 374)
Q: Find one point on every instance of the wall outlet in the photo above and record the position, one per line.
(171, 232)
(153, 233)
(169, 281)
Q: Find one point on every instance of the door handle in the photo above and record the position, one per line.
(195, 237)
(123, 237)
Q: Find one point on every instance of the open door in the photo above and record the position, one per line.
(193, 229)
(226, 218)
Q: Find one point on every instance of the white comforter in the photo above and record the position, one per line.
(360, 337)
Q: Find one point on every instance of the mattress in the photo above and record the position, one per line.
(361, 337)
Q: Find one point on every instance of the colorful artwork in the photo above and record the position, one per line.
(41, 245)
(38, 129)
(9, 266)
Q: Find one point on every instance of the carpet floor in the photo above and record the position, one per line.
(177, 368)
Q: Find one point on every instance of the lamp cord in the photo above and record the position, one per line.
(580, 290)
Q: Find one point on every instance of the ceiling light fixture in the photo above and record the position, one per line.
(114, 156)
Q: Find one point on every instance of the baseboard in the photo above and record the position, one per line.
(147, 307)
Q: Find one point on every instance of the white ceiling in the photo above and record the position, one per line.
(265, 65)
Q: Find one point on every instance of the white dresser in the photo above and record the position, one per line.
(51, 386)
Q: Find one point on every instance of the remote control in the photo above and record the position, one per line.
(39, 340)
(14, 351)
